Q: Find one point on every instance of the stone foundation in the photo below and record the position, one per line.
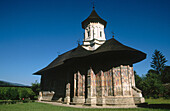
(91, 101)
(137, 95)
(139, 100)
(78, 100)
(67, 100)
(46, 95)
(101, 101)
(119, 101)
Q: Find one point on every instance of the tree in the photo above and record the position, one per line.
(138, 81)
(36, 88)
(152, 85)
(166, 75)
(158, 61)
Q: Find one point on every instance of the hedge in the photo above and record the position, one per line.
(16, 93)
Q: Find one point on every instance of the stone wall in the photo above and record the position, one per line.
(79, 88)
(112, 87)
(46, 95)
(104, 88)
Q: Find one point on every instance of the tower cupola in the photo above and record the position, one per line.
(94, 35)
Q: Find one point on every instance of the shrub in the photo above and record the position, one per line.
(36, 88)
(15, 93)
(151, 85)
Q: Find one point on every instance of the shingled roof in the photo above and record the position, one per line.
(110, 46)
(94, 17)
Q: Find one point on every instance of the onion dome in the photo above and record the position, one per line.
(94, 17)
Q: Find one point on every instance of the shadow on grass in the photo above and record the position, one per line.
(154, 106)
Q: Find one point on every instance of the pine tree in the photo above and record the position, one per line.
(158, 61)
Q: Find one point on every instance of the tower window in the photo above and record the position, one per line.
(93, 33)
(100, 33)
(88, 33)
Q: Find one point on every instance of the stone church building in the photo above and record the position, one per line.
(98, 72)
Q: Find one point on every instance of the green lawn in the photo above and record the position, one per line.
(48, 107)
(158, 101)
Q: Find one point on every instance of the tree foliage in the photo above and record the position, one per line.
(138, 80)
(166, 75)
(15, 93)
(158, 61)
(36, 88)
(150, 84)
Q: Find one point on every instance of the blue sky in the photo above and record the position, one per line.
(34, 32)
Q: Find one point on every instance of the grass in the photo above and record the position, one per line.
(48, 107)
(158, 101)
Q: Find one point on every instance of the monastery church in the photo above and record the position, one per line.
(97, 73)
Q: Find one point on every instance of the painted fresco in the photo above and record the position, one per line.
(98, 85)
(91, 83)
(114, 82)
(133, 77)
(83, 81)
(130, 80)
(75, 84)
(105, 84)
(109, 81)
(131, 74)
(89, 78)
(79, 84)
(125, 80)
(117, 81)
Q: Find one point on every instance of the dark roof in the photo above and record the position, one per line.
(110, 46)
(94, 17)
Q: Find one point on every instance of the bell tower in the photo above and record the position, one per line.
(94, 35)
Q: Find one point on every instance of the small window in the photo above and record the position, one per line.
(88, 33)
(93, 33)
(100, 33)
